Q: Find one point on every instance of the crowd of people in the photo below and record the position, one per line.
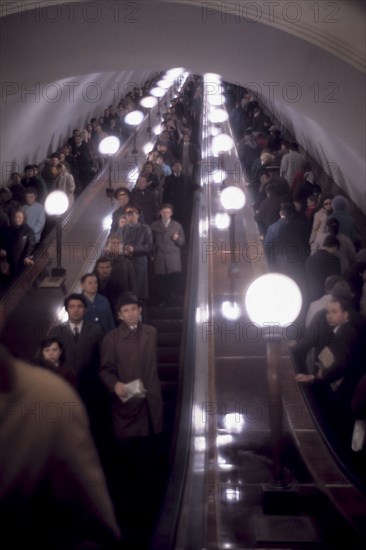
(105, 350)
(167, 177)
(310, 235)
(104, 355)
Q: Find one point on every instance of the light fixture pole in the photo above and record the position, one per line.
(273, 301)
(232, 199)
(148, 103)
(134, 118)
(109, 147)
(158, 92)
(158, 112)
(56, 204)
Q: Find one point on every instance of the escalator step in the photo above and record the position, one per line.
(172, 312)
(168, 372)
(167, 325)
(168, 355)
(169, 391)
(169, 339)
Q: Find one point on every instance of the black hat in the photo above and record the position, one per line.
(126, 298)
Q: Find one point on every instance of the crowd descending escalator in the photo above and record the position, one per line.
(148, 506)
(137, 500)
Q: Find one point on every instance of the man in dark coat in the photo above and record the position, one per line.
(321, 265)
(108, 285)
(122, 194)
(137, 242)
(340, 363)
(168, 240)
(143, 196)
(80, 338)
(269, 209)
(82, 341)
(84, 160)
(286, 244)
(189, 156)
(39, 185)
(128, 355)
(179, 191)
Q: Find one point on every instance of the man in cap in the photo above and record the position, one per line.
(128, 354)
(122, 194)
(129, 358)
(137, 242)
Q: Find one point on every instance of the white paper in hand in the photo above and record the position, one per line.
(134, 389)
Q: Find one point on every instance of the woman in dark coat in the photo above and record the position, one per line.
(17, 243)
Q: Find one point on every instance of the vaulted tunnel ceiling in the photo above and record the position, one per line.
(63, 62)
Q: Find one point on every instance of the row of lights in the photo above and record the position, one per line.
(271, 296)
(272, 300)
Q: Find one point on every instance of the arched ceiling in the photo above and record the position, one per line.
(62, 62)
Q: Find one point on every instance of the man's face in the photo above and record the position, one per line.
(142, 183)
(30, 198)
(264, 179)
(166, 213)
(130, 314)
(335, 315)
(328, 204)
(177, 168)
(18, 219)
(29, 173)
(75, 310)
(54, 161)
(122, 199)
(104, 270)
(90, 285)
(132, 217)
(122, 221)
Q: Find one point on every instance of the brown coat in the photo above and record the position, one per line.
(167, 257)
(126, 356)
(49, 462)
